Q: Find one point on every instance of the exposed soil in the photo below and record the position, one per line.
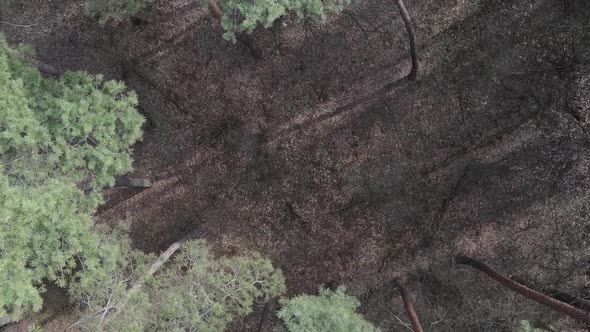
(322, 157)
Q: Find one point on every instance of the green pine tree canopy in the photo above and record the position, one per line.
(196, 292)
(204, 293)
(54, 133)
(238, 15)
(245, 15)
(329, 311)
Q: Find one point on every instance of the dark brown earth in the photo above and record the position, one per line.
(322, 157)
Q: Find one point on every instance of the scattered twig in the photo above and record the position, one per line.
(402, 323)
(18, 25)
(357, 23)
(445, 203)
(169, 94)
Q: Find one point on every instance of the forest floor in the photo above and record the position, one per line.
(324, 158)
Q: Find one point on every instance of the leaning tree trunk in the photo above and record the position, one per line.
(409, 306)
(412, 35)
(525, 291)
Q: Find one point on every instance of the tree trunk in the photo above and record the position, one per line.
(525, 291)
(581, 304)
(266, 315)
(409, 306)
(566, 298)
(412, 35)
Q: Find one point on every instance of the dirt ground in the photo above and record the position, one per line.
(323, 158)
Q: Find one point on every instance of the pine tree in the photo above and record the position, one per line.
(54, 134)
(244, 16)
(197, 292)
(238, 18)
(203, 293)
(329, 311)
(235, 16)
(102, 284)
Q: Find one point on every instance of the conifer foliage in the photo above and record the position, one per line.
(245, 16)
(329, 311)
(54, 133)
(235, 16)
(197, 292)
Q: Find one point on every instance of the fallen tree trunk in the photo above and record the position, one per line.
(412, 35)
(409, 306)
(581, 304)
(120, 181)
(163, 258)
(540, 298)
(43, 67)
(566, 298)
(125, 181)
